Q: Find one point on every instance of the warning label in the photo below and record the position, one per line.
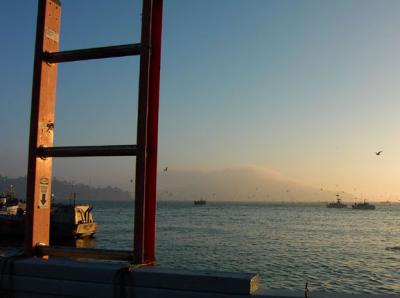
(43, 192)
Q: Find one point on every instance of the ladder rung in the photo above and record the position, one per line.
(80, 151)
(89, 253)
(93, 53)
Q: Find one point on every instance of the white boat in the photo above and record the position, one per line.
(66, 221)
(9, 205)
(74, 221)
(9, 210)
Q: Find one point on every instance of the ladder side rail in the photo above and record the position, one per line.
(41, 126)
(142, 122)
(152, 133)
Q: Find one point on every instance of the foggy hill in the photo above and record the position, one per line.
(234, 184)
(63, 190)
(238, 184)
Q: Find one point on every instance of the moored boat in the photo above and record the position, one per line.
(10, 205)
(12, 210)
(363, 206)
(66, 221)
(337, 204)
(74, 221)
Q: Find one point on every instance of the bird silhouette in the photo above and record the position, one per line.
(379, 152)
(165, 169)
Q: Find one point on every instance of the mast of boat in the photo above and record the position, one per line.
(10, 194)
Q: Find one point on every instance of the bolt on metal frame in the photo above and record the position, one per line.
(42, 151)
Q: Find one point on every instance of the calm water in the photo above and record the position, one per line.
(334, 250)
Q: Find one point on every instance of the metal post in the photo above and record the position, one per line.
(152, 133)
(147, 133)
(41, 126)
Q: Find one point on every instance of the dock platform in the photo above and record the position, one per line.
(60, 277)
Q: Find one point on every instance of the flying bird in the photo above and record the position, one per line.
(379, 152)
(165, 169)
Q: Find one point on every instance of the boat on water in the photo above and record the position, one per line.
(337, 204)
(75, 221)
(363, 206)
(10, 205)
(200, 202)
(66, 220)
(12, 211)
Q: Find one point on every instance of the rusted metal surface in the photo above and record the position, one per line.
(93, 53)
(147, 134)
(41, 125)
(87, 253)
(80, 151)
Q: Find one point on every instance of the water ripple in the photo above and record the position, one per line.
(334, 250)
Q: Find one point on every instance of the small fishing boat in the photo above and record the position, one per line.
(10, 205)
(337, 204)
(66, 220)
(363, 206)
(12, 210)
(75, 221)
(200, 202)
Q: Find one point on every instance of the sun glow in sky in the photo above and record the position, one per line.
(309, 89)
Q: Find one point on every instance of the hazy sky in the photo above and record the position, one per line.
(309, 89)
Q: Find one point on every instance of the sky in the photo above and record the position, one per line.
(308, 89)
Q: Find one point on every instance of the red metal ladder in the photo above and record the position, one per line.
(42, 151)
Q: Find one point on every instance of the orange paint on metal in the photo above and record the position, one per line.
(41, 148)
(41, 126)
